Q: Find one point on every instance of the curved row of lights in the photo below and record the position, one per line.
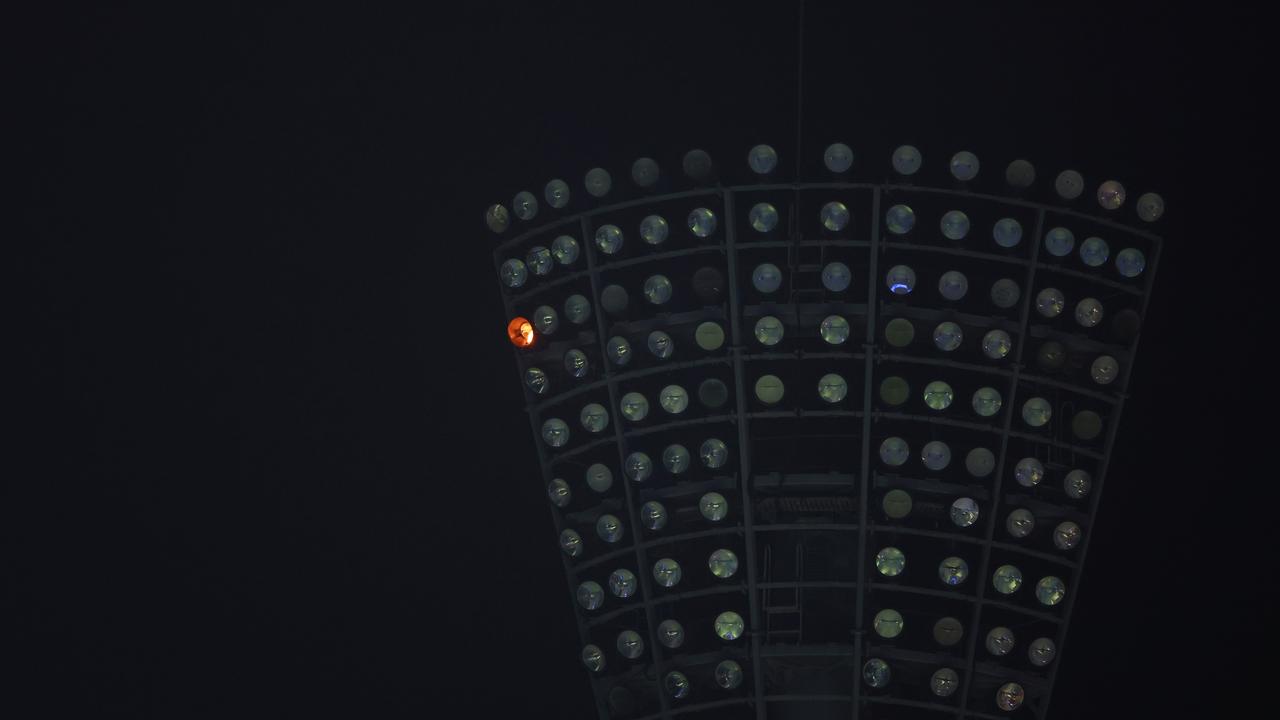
(986, 402)
(944, 683)
(996, 344)
(1008, 232)
(889, 624)
(769, 330)
(1059, 242)
(964, 513)
(1000, 641)
(953, 286)
(979, 462)
(630, 645)
(876, 673)
(838, 158)
(894, 452)
(667, 572)
(953, 571)
(712, 505)
(523, 332)
(1028, 472)
(890, 562)
(832, 388)
(675, 458)
(897, 504)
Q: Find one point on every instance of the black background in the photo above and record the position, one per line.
(272, 460)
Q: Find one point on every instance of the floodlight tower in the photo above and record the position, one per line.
(824, 448)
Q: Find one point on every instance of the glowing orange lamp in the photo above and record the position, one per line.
(520, 331)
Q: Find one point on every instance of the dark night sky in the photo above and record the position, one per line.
(272, 458)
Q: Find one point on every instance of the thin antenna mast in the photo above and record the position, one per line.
(799, 84)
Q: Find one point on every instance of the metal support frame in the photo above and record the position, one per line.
(870, 355)
(1108, 223)
(744, 451)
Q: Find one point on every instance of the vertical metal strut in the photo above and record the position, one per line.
(799, 87)
(864, 480)
(744, 448)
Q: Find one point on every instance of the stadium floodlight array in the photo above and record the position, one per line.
(824, 449)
